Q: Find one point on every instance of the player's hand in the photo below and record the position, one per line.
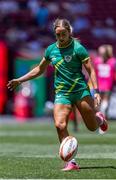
(13, 84)
(97, 99)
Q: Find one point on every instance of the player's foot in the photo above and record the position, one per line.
(71, 166)
(104, 127)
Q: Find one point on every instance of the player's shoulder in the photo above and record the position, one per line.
(78, 44)
(80, 50)
(51, 47)
(49, 50)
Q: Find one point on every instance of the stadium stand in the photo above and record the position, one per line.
(22, 20)
(26, 25)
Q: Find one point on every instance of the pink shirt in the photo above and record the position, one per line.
(105, 73)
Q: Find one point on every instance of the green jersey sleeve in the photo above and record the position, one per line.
(46, 54)
(82, 53)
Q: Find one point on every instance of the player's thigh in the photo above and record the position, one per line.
(86, 108)
(61, 113)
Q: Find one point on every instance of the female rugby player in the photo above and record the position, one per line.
(67, 55)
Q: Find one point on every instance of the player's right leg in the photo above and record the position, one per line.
(72, 165)
(61, 116)
(62, 109)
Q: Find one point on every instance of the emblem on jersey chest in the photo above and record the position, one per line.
(67, 58)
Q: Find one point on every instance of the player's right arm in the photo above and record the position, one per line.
(37, 71)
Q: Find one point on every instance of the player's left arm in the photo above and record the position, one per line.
(91, 71)
(86, 61)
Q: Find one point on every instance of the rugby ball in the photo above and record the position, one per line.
(68, 148)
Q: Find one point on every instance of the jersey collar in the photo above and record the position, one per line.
(66, 45)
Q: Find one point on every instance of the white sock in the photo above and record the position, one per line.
(104, 106)
(72, 160)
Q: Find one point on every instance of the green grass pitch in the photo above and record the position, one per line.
(30, 151)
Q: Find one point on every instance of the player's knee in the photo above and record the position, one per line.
(60, 125)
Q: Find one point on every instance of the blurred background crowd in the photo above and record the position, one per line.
(26, 30)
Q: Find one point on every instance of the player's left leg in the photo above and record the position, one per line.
(102, 113)
(104, 125)
(92, 119)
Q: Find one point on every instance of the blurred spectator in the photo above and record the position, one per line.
(99, 29)
(25, 25)
(105, 66)
(82, 7)
(110, 29)
(81, 23)
(53, 8)
(104, 29)
(42, 15)
(8, 6)
(33, 5)
(14, 34)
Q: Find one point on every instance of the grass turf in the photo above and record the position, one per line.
(30, 151)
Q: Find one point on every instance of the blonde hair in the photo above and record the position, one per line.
(63, 23)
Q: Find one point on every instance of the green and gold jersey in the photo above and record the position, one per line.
(68, 66)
